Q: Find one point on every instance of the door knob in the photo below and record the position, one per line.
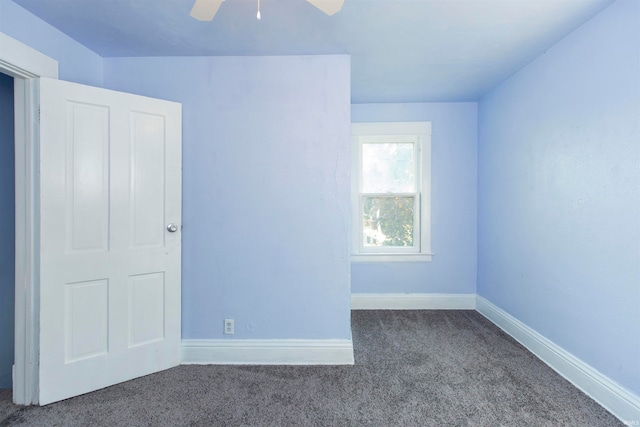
(172, 228)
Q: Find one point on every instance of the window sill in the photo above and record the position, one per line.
(363, 258)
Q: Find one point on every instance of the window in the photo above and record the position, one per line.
(391, 192)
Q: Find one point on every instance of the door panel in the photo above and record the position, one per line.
(110, 182)
(87, 178)
(86, 315)
(146, 308)
(148, 191)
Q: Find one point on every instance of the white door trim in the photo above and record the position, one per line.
(25, 64)
(19, 60)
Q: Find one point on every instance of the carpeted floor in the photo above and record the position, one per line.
(413, 368)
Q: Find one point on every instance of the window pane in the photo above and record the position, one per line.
(388, 221)
(388, 168)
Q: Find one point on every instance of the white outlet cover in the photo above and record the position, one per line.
(229, 328)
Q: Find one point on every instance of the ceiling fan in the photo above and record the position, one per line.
(205, 10)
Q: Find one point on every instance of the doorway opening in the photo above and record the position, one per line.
(7, 228)
(23, 65)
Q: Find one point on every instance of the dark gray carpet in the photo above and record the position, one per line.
(413, 368)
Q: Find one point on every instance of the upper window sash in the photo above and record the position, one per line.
(390, 139)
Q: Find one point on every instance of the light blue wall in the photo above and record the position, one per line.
(453, 201)
(266, 181)
(76, 62)
(7, 219)
(559, 194)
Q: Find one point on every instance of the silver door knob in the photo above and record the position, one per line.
(172, 228)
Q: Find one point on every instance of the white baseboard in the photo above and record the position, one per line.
(413, 301)
(267, 352)
(616, 399)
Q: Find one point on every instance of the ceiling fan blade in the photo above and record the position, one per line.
(205, 10)
(329, 7)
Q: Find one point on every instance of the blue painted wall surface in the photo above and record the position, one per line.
(559, 194)
(76, 63)
(266, 182)
(453, 200)
(7, 219)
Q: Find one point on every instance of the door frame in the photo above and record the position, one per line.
(26, 65)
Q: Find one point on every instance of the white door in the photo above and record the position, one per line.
(110, 186)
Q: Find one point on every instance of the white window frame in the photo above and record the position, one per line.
(418, 133)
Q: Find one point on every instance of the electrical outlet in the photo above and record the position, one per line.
(228, 327)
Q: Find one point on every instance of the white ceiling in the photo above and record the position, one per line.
(402, 50)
